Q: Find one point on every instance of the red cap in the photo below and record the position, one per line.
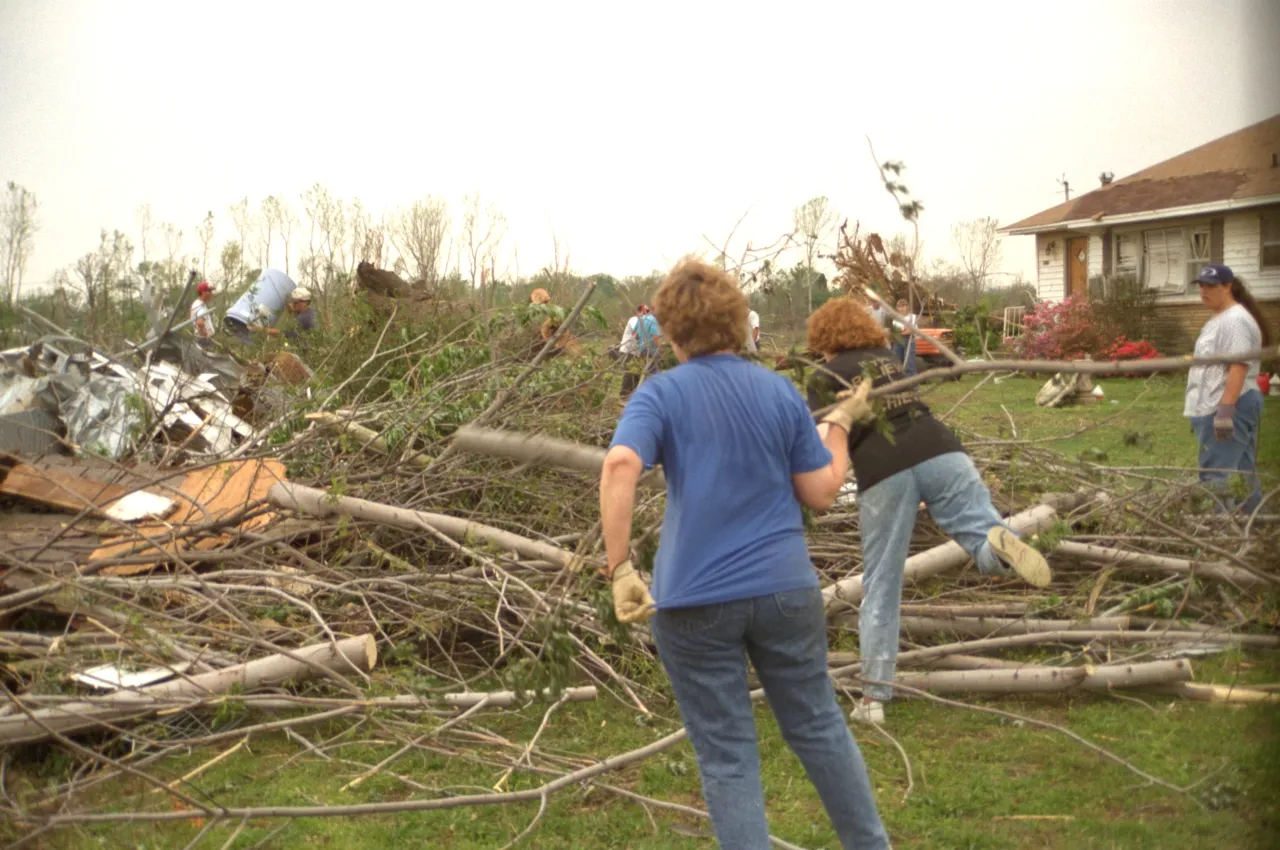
(203, 287)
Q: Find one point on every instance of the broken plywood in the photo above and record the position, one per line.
(70, 493)
(207, 495)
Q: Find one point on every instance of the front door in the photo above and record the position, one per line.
(1078, 267)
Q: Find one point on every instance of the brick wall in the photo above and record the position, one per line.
(1176, 326)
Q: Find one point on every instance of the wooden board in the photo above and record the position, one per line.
(206, 495)
(57, 490)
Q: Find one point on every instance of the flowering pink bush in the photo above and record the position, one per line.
(1073, 330)
(1067, 330)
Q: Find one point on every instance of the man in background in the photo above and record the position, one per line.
(262, 304)
(641, 347)
(753, 331)
(201, 316)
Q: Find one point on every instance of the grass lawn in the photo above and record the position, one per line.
(1146, 412)
(979, 781)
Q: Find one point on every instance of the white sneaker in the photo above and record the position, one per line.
(1024, 559)
(868, 711)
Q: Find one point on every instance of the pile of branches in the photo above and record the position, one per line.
(419, 566)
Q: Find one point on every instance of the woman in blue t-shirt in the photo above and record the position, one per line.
(908, 458)
(732, 577)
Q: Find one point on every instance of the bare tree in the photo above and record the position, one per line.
(268, 223)
(286, 221)
(18, 220)
(242, 218)
(98, 273)
(419, 233)
(173, 253)
(481, 226)
(204, 232)
(814, 221)
(145, 223)
(979, 245)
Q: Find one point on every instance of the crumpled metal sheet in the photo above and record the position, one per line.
(100, 419)
(18, 392)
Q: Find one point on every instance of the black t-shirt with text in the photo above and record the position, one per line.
(905, 433)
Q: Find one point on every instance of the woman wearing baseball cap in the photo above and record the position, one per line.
(1223, 401)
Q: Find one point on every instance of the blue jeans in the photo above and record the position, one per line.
(704, 650)
(961, 505)
(1220, 459)
(905, 355)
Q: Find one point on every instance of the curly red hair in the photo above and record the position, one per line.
(701, 309)
(843, 324)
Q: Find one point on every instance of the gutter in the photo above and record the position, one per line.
(1148, 215)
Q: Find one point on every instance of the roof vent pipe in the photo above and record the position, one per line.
(1105, 178)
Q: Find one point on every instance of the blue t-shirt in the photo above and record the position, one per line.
(646, 330)
(729, 435)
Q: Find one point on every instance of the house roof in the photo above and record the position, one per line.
(1237, 167)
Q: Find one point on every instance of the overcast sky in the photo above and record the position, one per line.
(634, 129)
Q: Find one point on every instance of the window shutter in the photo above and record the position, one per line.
(1106, 253)
(1215, 240)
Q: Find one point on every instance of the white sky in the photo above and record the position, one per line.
(634, 128)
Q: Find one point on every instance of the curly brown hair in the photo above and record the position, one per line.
(843, 324)
(701, 309)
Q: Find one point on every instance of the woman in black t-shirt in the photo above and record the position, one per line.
(903, 458)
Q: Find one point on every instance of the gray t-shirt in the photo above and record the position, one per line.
(1233, 331)
(271, 290)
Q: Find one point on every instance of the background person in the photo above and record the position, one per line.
(260, 306)
(202, 322)
(647, 347)
(904, 348)
(732, 577)
(920, 460)
(753, 331)
(1223, 401)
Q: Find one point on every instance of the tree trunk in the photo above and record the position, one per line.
(1033, 679)
(539, 450)
(308, 500)
(357, 653)
(949, 555)
(1142, 561)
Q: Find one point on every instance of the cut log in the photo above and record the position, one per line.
(1220, 694)
(357, 653)
(1038, 679)
(539, 450)
(1160, 563)
(502, 699)
(983, 627)
(367, 436)
(318, 503)
(951, 555)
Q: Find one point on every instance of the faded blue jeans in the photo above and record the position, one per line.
(704, 650)
(1220, 459)
(959, 502)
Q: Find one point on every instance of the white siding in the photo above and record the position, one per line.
(1095, 256)
(1241, 249)
(1049, 284)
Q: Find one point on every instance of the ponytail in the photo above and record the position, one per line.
(1243, 298)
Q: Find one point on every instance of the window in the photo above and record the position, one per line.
(1126, 256)
(1166, 260)
(1270, 258)
(1198, 243)
(1172, 258)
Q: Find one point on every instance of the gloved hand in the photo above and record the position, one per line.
(1224, 426)
(851, 406)
(631, 600)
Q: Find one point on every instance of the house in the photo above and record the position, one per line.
(1219, 203)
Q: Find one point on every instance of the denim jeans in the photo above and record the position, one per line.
(704, 650)
(905, 355)
(959, 502)
(1220, 459)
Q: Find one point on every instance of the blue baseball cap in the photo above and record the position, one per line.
(1215, 274)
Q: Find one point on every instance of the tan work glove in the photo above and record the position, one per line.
(851, 406)
(631, 600)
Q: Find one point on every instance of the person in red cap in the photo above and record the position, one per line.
(201, 316)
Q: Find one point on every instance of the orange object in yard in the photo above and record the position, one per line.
(925, 346)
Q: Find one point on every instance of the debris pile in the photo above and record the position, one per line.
(210, 558)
